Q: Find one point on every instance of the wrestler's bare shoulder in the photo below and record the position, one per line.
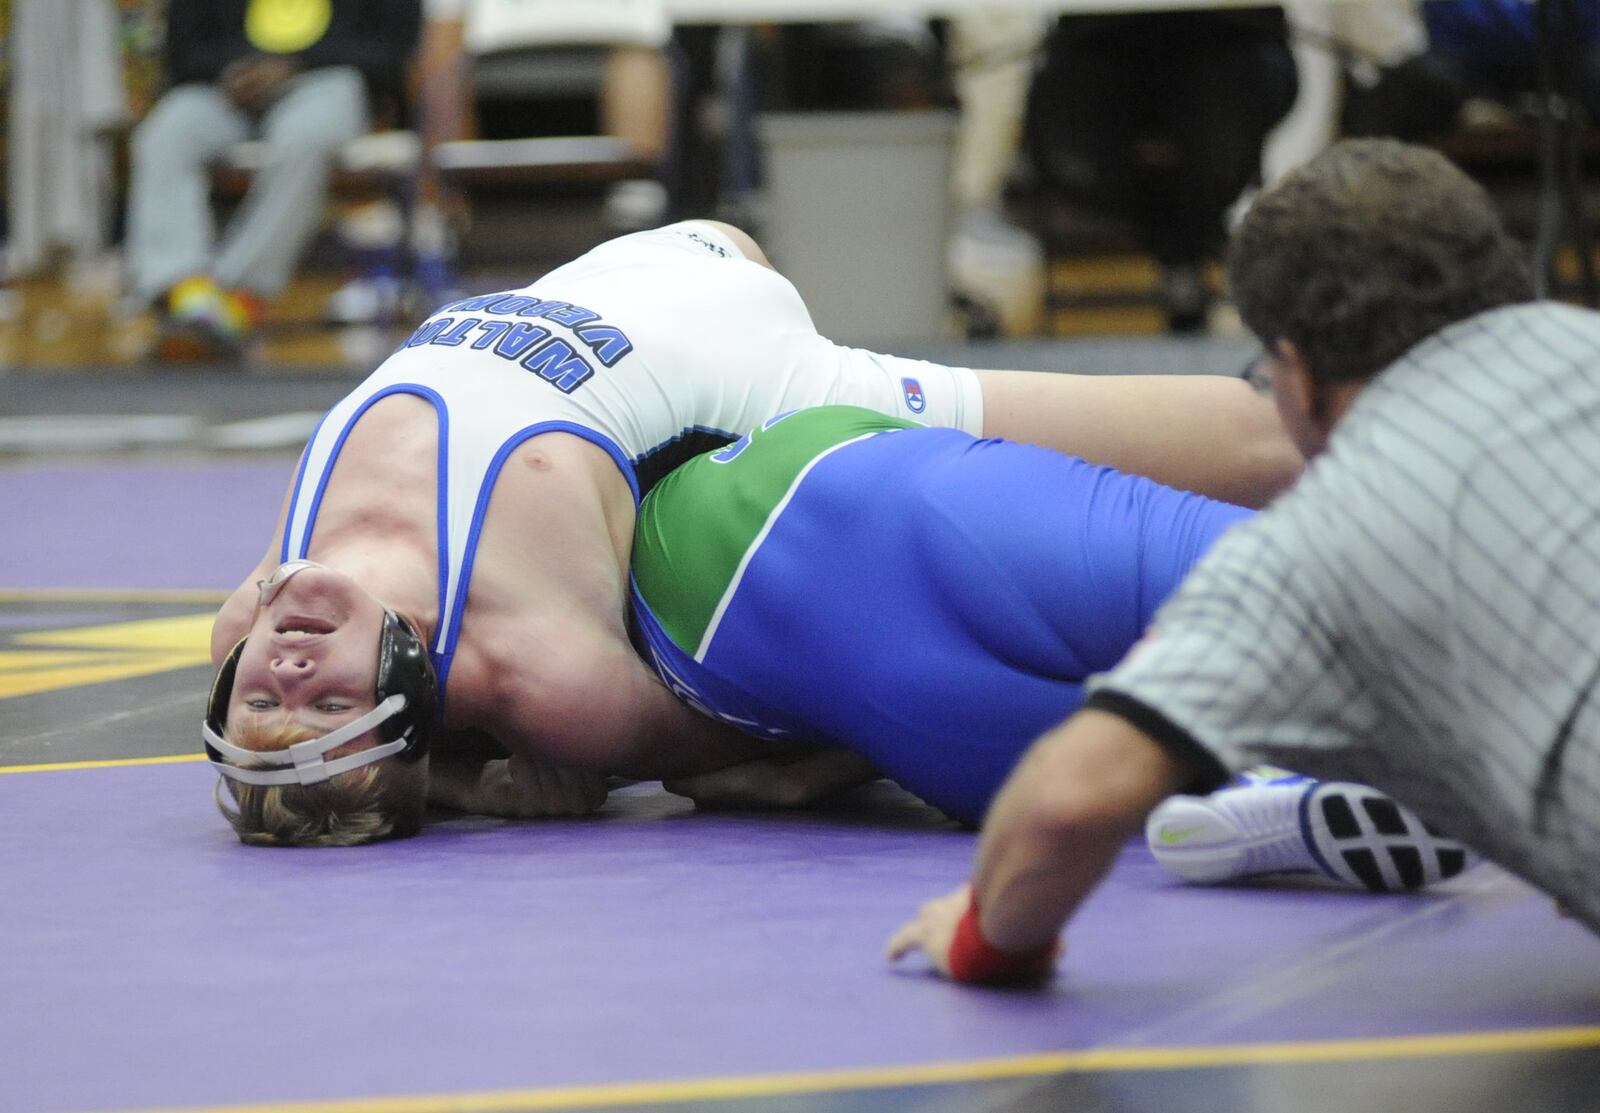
(545, 685)
(398, 430)
(557, 531)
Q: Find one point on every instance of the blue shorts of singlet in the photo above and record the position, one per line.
(935, 602)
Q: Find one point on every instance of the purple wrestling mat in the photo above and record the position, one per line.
(153, 961)
(652, 956)
(137, 525)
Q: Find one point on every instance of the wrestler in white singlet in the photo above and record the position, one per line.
(653, 346)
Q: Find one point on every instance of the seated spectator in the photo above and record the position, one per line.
(305, 77)
(1479, 50)
(1159, 119)
(483, 76)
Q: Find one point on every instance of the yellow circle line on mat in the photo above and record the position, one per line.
(978, 1070)
(108, 763)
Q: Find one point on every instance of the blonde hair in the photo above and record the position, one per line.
(384, 800)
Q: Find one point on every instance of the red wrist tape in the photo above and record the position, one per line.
(974, 959)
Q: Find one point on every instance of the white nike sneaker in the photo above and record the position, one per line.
(1272, 821)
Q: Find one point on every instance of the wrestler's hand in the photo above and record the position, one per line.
(933, 931)
(522, 787)
(795, 779)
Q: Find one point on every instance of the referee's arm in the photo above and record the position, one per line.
(1063, 816)
(1081, 793)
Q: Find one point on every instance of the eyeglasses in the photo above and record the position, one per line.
(1256, 373)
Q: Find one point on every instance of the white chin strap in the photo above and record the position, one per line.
(281, 575)
(306, 758)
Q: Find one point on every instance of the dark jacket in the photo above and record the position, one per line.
(378, 37)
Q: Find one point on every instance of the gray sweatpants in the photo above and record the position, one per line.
(171, 230)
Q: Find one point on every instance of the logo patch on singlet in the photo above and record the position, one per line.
(707, 243)
(916, 401)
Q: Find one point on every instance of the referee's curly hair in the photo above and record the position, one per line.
(1366, 250)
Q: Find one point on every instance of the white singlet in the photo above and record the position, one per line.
(636, 346)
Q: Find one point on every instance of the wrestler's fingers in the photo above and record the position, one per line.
(581, 791)
(540, 788)
(745, 785)
(494, 792)
(592, 792)
(693, 785)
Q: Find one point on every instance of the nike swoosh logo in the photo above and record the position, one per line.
(1172, 835)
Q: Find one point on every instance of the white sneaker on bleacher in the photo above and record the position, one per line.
(1270, 821)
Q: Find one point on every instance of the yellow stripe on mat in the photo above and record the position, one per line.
(76, 656)
(979, 1070)
(113, 595)
(109, 763)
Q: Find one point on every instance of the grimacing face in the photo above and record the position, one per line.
(311, 656)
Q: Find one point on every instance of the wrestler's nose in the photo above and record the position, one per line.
(292, 668)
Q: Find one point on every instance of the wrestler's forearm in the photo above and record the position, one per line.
(518, 787)
(599, 708)
(785, 776)
(1210, 434)
(678, 741)
(1082, 791)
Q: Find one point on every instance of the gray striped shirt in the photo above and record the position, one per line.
(1422, 611)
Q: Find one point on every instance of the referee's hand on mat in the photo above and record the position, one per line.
(947, 932)
(933, 931)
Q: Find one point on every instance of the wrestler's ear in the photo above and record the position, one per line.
(1291, 378)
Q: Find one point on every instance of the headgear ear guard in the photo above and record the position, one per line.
(407, 703)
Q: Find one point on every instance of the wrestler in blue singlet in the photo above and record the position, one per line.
(929, 599)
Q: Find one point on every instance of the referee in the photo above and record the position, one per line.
(1420, 613)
